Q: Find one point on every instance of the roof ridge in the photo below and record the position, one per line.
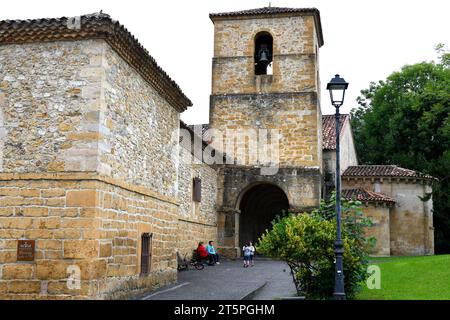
(384, 170)
(363, 194)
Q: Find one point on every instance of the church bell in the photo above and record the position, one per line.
(263, 55)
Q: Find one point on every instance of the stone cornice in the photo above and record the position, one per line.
(382, 179)
(279, 55)
(250, 96)
(93, 176)
(197, 222)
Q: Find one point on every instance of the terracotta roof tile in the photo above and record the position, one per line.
(329, 130)
(97, 26)
(383, 171)
(264, 10)
(366, 195)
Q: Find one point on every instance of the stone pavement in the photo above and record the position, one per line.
(267, 280)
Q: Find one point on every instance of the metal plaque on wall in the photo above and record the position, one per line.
(25, 250)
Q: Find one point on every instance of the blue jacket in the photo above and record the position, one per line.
(210, 249)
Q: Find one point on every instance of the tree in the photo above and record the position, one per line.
(404, 120)
(306, 243)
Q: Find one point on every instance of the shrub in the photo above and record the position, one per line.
(306, 243)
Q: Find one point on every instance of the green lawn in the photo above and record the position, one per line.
(411, 278)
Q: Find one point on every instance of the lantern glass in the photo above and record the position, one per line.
(337, 87)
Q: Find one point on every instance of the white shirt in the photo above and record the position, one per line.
(248, 250)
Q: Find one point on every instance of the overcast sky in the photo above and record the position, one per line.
(364, 40)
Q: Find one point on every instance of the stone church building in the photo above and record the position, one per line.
(101, 184)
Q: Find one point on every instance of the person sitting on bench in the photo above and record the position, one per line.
(202, 254)
(213, 256)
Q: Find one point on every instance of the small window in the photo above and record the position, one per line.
(197, 190)
(146, 253)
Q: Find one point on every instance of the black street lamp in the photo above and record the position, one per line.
(337, 87)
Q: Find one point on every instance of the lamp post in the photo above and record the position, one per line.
(337, 87)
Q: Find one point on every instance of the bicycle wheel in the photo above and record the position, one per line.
(199, 266)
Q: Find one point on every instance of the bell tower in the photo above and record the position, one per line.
(265, 79)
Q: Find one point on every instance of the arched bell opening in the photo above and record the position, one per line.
(258, 207)
(263, 53)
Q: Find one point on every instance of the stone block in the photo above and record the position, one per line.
(77, 223)
(39, 234)
(32, 211)
(81, 198)
(56, 166)
(17, 271)
(80, 249)
(47, 223)
(16, 223)
(49, 244)
(52, 193)
(64, 212)
(7, 212)
(105, 249)
(25, 286)
(9, 256)
(52, 269)
(62, 288)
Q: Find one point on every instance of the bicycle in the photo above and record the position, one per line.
(184, 264)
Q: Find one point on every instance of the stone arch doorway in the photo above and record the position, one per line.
(258, 207)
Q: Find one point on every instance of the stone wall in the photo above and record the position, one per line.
(78, 106)
(141, 128)
(49, 101)
(197, 220)
(411, 219)
(87, 221)
(86, 146)
(348, 152)
(380, 229)
(293, 116)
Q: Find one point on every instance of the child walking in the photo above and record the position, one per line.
(252, 253)
(247, 253)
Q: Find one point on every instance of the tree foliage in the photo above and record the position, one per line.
(404, 120)
(306, 243)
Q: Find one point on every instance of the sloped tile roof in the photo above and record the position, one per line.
(366, 195)
(97, 26)
(264, 10)
(329, 130)
(268, 11)
(383, 171)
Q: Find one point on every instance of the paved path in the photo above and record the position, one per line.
(267, 280)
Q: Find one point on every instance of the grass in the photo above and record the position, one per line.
(411, 278)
